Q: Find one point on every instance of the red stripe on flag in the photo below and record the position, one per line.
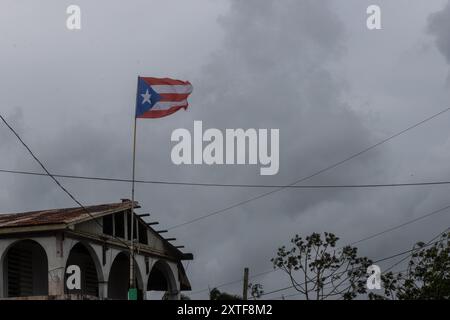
(164, 81)
(174, 96)
(161, 113)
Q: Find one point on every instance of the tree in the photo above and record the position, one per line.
(182, 296)
(427, 276)
(319, 271)
(216, 294)
(256, 290)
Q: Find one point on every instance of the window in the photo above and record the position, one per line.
(26, 270)
(108, 225)
(119, 224)
(142, 233)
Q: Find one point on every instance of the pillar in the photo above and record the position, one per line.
(56, 265)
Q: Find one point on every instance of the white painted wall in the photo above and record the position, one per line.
(58, 249)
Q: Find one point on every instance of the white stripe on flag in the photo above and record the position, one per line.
(164, 105)
(172, 89)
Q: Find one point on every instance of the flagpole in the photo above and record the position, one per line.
(132, 278)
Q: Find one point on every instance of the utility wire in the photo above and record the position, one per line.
(279, 188)
(377, 261)
(234, 282)
(413, 250)
(401, 225)
(428, 243)
(56, 181)
(203, 184)
(300, 293)
(311, 175)
(358, 241)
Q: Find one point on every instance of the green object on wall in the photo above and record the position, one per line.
(132, 294)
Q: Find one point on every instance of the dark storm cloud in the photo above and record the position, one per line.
(439, 26)
(265, 64)
(272, 72)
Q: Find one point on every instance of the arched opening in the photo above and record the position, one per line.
(161, 282)
(119, 280)
(25, 270)
(89, 280)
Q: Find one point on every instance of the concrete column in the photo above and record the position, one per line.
(175, 293)
(56, 265)
(2, 279)
(103, 290)
(96, 252)
(4, 245)
(110, 257)
(56, 280)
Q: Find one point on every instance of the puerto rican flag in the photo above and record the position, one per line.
(160, 97)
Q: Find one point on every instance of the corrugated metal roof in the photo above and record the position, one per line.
(55, 217)
(58, 216)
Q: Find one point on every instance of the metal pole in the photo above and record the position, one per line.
(132, 280)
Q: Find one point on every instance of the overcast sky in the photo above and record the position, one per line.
(309, 68)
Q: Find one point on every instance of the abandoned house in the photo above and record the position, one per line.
(37, 247)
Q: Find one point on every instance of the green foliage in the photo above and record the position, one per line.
(182, 296)
(256, 290)
(216, 294)
(427, 276)
(319, 271)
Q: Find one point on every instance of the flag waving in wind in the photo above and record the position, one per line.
(155, 98)
(160, 97)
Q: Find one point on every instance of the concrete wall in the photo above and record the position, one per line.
(154, 241)
(38, 266)
(58, 249)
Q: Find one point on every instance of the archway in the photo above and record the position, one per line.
(88, 263)
(25, 268)
(118, 282)
(161, 279)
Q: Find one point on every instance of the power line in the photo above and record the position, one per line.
(428, 243)
(377, 261)
(410, 252)
(234, 282)
(311, 175)
(204, 184)
(299, 293)
(360, 240)
(413, 250)
(401, 225)
(56, 181)
(279, 188)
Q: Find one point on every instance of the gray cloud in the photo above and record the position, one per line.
(306, 67)
(439, 26)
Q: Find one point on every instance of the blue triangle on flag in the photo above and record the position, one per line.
(146, 97)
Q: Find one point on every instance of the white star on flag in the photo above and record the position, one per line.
(146, 97)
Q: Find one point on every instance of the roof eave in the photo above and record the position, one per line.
(99, 215)
(37, 228)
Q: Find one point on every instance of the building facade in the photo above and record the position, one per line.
(37, 248)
